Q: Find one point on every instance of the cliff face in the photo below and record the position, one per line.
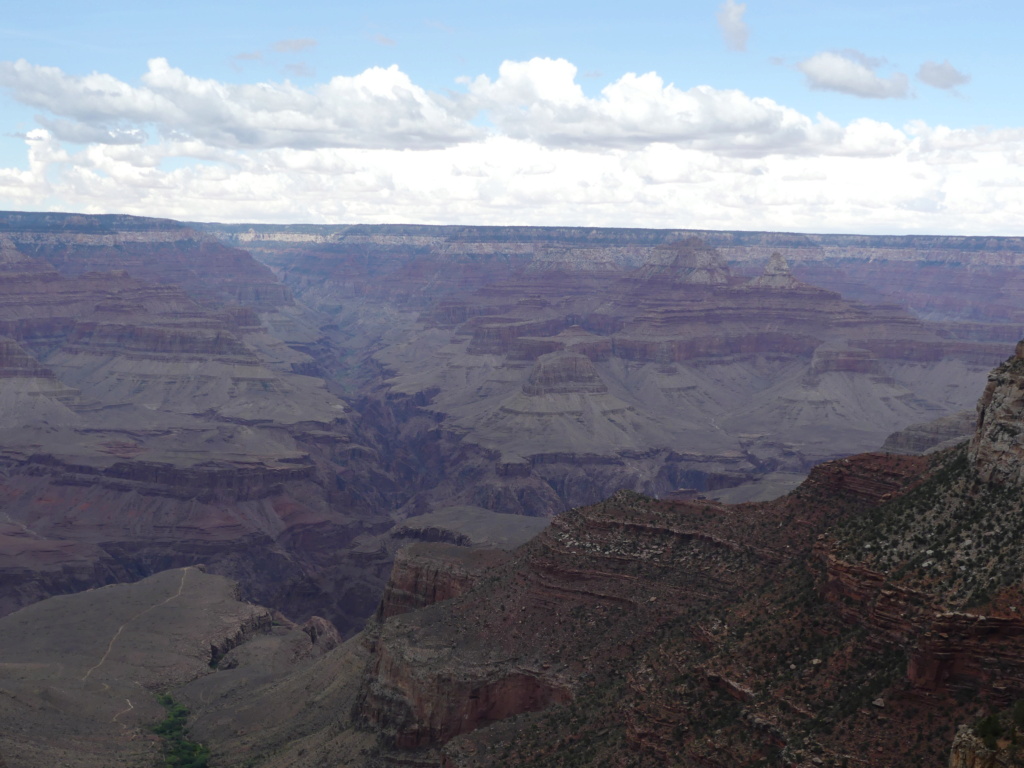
(969, 751)
(154, 250)
(966, 280)
(692, 378)
(996, 450)
(428, 573)
(632, 621)
(865, 615)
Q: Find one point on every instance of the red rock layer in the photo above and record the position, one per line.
(699, 605)
(428, 573)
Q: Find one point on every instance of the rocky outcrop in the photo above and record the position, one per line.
(777, 274)
(997, 449)
(528, 632)
(969, 751)
(561, 374)
(933, 435)
(182, 341)
(948, 651)
(970, 652)
(870, 478)
(428, 573)
(690, 261)
(413, 711)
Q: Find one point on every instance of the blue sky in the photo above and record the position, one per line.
(880, 117)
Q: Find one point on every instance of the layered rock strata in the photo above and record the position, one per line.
(153, 425)
(692, 378)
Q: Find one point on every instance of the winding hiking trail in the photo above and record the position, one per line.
(124, 711)
(110, 645)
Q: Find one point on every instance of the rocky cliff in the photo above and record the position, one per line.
(860, 619)
(996, 449)
(175, 405)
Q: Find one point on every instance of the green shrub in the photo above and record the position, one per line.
(179, 752)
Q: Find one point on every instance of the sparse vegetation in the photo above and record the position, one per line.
(951, 537)
(179, 751)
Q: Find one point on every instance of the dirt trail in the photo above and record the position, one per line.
(110, 645)
(124, 711)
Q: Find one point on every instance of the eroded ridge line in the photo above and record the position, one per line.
(110, 645)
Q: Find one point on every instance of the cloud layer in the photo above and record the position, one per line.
(526, 146)
(377, 108)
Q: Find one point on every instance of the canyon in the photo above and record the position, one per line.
(861, 619)
(171, 400)
(586, 485)
(713, 366)
(833, 626)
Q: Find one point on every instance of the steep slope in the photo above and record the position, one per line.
(80, 673)
(858, 620)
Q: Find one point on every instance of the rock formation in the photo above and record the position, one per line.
(933, 435)
(860, 618)
(776, 274)
(770, 373)
(996, 449)
(863, 616)
(167, 402)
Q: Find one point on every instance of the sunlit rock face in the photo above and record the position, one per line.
(997, 448)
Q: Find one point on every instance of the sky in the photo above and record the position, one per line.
(880, 117)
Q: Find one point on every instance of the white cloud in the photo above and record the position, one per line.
(642, 152)
(376, 108)
(734, 28)
(943, 75)
(504, 180)
(854, 73)
(540, 100)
